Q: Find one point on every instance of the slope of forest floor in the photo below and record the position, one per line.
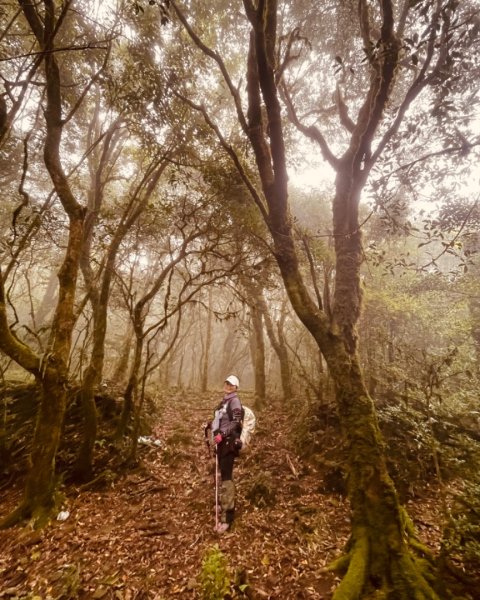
(146, 534)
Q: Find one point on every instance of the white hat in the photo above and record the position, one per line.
(233, 380)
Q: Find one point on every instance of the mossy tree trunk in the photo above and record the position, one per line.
(379, 559)
(39, 496)
(52, 370)
(379, 556)
(99, 296)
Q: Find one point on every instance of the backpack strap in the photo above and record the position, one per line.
(235, 417)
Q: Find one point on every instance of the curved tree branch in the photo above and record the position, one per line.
(231, 152)
(10, 344)
(416, 87)
(310, 131)
(216, 57)
(345, 119)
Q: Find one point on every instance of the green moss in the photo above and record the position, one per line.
(408, 581)
(353, 583)
(420, 548)
(340, 565)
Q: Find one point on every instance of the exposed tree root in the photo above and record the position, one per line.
(104, 479)
(13, 518)
(339, 565)
(37, 510)
(38, 517)
(403, 575)
(354, 579)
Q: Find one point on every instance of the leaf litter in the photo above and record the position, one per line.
(145, 536)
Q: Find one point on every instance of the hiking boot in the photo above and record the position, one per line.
(222, 527)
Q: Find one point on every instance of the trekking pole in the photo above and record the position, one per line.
(216, 490)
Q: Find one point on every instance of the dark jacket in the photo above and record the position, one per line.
(228, 422)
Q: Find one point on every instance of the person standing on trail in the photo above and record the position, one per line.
(226, 429)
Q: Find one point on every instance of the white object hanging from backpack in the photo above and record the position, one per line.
(248, 426)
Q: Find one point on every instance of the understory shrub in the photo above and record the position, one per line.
(413, 440)
(461, 542)
(214, 578)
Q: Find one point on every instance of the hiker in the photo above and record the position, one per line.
(226, 428)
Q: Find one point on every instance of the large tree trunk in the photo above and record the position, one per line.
(52, 371)
(378, 553)
(380, 561)
(52, 375)
(258, 356)
(378, 556)
(39, 495)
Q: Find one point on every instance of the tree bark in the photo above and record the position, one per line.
(100, 299)
(208, 343)
(378, 555)
(258, 356)
(52, 370)
(278, 343)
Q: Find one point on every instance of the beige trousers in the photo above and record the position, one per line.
(227, 501)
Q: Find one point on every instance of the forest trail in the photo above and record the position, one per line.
(145, 536)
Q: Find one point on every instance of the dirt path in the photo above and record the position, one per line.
(146, 535)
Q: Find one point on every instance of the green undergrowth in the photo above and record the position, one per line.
(214, 579)
(461, 542)
(409, 437)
